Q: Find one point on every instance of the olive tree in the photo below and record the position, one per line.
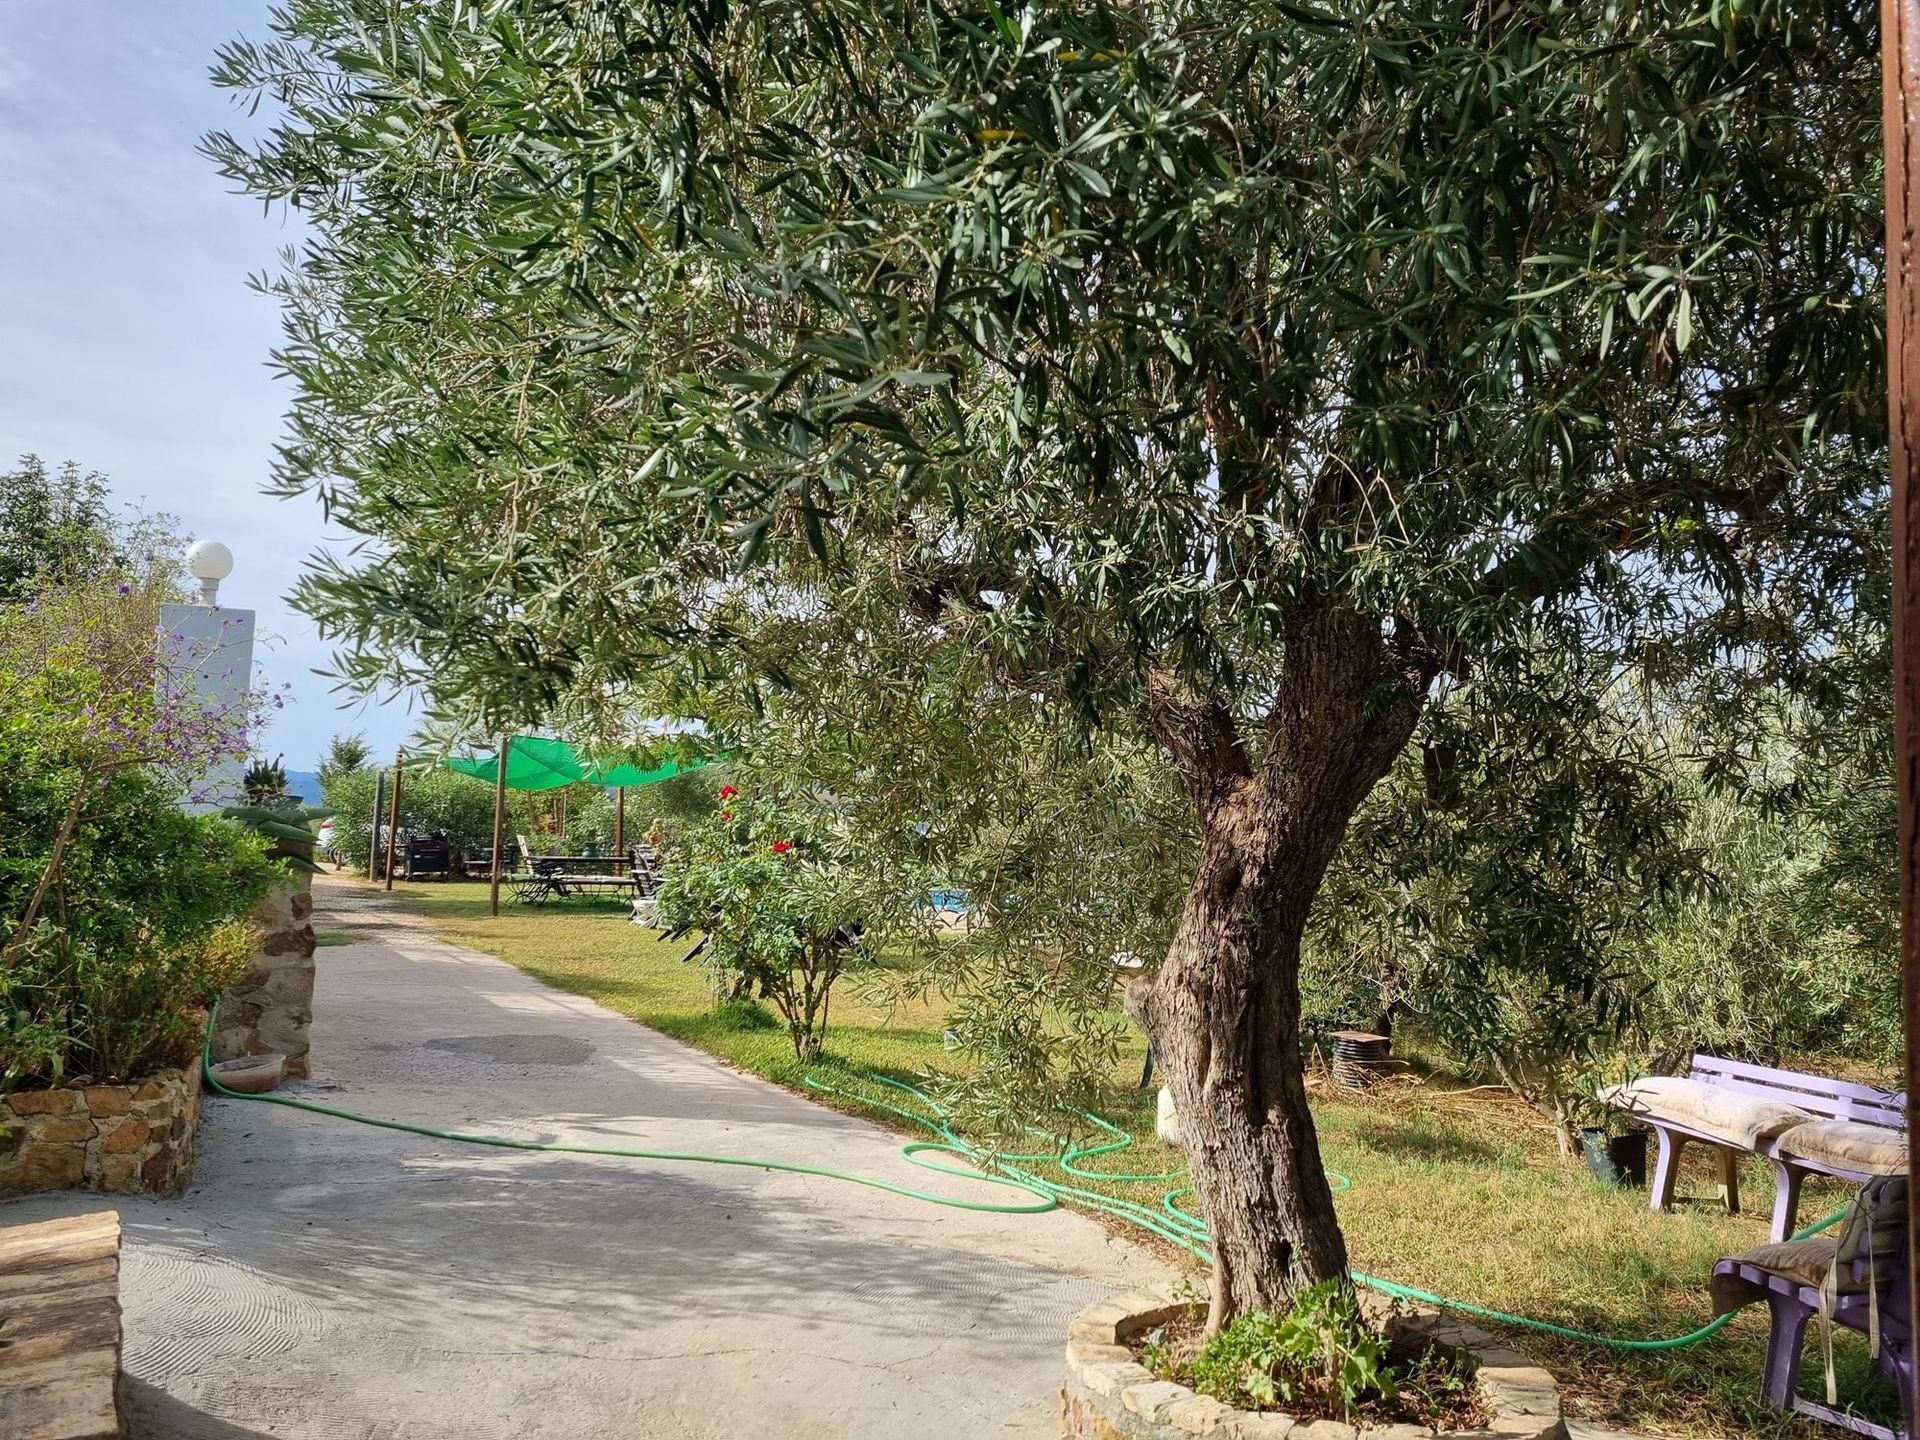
(1233, 376)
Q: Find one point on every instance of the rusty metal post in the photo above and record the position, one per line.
(1900, 99)
(620, 822)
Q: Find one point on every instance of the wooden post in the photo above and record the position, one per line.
(499, 819)
(620, 822)
(373, 829)
(1900, 111)
(393, 813)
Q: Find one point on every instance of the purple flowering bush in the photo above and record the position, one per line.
(119, 913)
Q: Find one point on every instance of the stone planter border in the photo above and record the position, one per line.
(1109, 1395)
(122, 1139)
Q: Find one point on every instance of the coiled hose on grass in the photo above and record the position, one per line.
(1169, 1222)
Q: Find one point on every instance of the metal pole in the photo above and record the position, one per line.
(393, 814)
(1900, 111)
(620, 822)
(499, 818)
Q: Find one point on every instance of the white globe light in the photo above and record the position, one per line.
(209, 560)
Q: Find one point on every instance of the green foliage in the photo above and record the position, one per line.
(264, 781)
(1496, 885)
(778, 894)
(1117, 339)
(345, 754)
(288, 829)
(433, 801)
(57, 527)
(142, 935)
(1214, 389)
(1321, 1352)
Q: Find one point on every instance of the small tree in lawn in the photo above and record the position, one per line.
(1236, 377)
(778, 906)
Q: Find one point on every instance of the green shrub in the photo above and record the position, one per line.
(118, 910)
(1321, 1353)
(111, 980)
(775, 892)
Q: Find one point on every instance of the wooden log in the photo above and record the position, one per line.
(60, 1294)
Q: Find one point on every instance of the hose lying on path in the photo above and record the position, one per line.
(1169, 1222)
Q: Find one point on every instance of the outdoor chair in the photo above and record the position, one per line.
(1855, 1277)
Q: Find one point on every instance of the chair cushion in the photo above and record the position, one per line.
(1848, 1145)
(1743, 1120)
(1804, 1260)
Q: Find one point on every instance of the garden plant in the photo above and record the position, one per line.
(121, 915)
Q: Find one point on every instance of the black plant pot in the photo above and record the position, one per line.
(1617, 1159)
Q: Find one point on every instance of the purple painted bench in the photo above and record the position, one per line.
(1863, 1272)
(1804, 1124)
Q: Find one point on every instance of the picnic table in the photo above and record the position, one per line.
(559, 877)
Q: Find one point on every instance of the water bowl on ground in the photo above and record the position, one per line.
(251, 1074)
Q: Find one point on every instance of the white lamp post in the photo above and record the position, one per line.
(209, 562)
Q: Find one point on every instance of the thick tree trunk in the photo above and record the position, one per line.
(1223, 1011)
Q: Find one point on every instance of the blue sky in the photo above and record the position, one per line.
(129, 340)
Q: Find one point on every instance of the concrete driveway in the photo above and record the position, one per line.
(337, 1282)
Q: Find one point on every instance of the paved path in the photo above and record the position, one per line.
(328, 1281)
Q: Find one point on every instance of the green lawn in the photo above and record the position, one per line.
(1459, 1192)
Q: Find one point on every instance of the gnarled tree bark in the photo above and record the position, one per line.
(1223, 1011)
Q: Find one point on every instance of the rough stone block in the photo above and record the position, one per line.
(1151, 1401)
(158, 1173)
(129, 1135)
(1258, 1427)
(107, 1099)
(42, 1102)
(60, 1130)
(44, 1167)
(1525, 1389)
(1199, 1415)
(1081, 1352)
(1112, 1379)
(1323, 1430)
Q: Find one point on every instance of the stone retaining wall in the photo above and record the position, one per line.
(126, 1139)
(269, 1010)
(1111, 1396)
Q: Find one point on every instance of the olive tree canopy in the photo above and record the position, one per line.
(1241, 376)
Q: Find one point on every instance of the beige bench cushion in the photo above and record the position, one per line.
(1743, 1120)
(1805, 1262)
(1848, 1145)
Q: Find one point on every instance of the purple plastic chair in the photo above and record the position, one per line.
(1859, 1273)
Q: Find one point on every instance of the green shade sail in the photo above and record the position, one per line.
(536, 762)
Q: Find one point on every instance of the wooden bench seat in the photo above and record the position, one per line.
(60, 1294)
(1805, 1124)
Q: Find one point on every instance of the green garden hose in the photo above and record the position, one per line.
(1039, 1205)
(1170, 1223)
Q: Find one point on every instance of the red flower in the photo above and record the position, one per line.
(727, 792)
(780, 847)
(726, 814)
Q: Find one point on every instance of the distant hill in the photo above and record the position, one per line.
(305, 784)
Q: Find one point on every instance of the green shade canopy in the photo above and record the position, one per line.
(535, 762)
(619, 777)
